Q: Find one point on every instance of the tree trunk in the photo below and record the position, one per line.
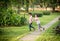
(18, 9)
(33, 6)
(46, 8)
(27, 8)
(53, 9)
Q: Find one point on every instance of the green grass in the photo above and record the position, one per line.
(11, 33)
(49, 34)
(47, 18)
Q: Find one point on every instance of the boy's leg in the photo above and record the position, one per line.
(41, 27)
(32, 26)
(38, 26)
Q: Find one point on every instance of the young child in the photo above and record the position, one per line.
(30, 22)
(38, 22)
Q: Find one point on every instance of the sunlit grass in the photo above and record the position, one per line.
(49, 35)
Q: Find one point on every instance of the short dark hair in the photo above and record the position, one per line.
(30, 13)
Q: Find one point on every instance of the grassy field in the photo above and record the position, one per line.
(11, 33)
(49, 34)
(47, 18)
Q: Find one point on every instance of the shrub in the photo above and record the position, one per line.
(38, 14)
(23, 21)
(15, 20)
(46, 13)
(5, 17)
(10, 19)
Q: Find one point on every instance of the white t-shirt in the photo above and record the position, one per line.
(37, 20)
(30, 19)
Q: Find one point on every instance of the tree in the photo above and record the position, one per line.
(18, 4)
(32, 3)
(4, 4)
(27, 5)
(53, 4)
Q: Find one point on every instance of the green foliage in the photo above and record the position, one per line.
(27, 5)
(23, 21)
(38, 14)
(9, 19)
(5, 17)
(46, 13)
(15, 20)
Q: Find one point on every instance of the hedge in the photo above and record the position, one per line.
(46, 13)
(38, 14)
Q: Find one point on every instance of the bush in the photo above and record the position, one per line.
(23, 21)
(46, 13)
(5, 17)
(38, 14)
(15, 20)
(10, 19)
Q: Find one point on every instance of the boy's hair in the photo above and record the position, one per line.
(30, 13)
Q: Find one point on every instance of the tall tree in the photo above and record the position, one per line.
(27, 5)
(53, 4)
(32, 4)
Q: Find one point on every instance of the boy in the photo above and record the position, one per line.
(38, 22)
(30, 22)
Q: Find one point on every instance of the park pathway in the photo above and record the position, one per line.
(33, 35)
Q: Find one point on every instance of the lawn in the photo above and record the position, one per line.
(11, 33)
(47, 18)
(49, 34)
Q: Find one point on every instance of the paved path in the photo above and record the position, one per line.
(32, 36)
